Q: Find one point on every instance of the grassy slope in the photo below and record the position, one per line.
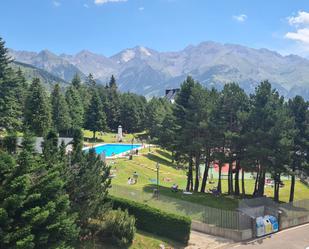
(145, 166)
(109, 137)
(141, 240)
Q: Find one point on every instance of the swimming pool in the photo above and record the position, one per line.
(113, 149)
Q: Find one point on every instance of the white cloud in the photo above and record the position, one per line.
(56, 3)
(301, 35)
(300, 23)
(240, 18)
(302, 17)
(100, 2)
(141, 8)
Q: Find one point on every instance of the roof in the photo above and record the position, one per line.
(39, 140)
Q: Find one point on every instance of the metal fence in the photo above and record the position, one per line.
(295, 209)
(230, 219)
(256, 207)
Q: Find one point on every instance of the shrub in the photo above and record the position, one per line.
(155, 221)
(117, 226)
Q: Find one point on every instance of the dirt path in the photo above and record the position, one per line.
(205, 241)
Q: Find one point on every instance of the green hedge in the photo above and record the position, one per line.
(155, 221)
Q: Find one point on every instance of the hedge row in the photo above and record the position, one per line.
(155, 221)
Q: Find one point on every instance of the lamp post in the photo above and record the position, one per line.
(132, 145)
(158, 167)
(131, 154)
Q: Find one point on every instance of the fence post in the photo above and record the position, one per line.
(253, 224)
(279, 220)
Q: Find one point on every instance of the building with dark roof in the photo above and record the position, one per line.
(170, 94)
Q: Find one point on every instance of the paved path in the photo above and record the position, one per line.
(293, 238)
(205, 241)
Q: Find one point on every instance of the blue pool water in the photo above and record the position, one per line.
(115, 149)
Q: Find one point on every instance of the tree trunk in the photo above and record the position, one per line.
(292, 184)
(261, 185)
(205, 175)
(191, 182)
(189, 179)
(237, 192)
(219, 187)
(197, 173)
(93, 136)
(256, 181)
(243, 190)
(230, 178)
(277, 187)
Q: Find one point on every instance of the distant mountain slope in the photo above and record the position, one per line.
(48, 61)
(149, 72)
(30, 72)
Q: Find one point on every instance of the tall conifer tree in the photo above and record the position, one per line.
(37, 114)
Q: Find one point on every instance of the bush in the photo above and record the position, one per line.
(115, 225)
(155, 221)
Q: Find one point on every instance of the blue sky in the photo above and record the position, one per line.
(108, 26)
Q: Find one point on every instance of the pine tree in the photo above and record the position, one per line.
(76, 81)
(35, 211)
(91, 183)
(234, 103)
(10, 142)
(112, 83)
(112, 104)
(37, 114)
(76, 108)
(131, 112)
(298, 109)
(4, 59)
(15, 185)
(11, 106)
(183, 141)
(193, 127)
(95, 116)
(50, 149)
(55, 223)
(90, 81)
(156, 112)
(269, 135)
(60, 111)
(88, 182)
(12, 89)
(77, 153)
(167, 134)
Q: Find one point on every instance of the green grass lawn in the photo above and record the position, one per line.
(141, 240)
(109, 137)
(145, 166)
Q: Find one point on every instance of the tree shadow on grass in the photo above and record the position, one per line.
(192, 204)
(160, 160)
(165, 154)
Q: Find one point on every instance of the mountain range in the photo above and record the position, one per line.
(149, 72)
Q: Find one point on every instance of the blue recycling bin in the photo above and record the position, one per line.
(260, 227)
(274, 222)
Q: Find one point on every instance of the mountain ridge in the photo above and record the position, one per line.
(147, 71)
